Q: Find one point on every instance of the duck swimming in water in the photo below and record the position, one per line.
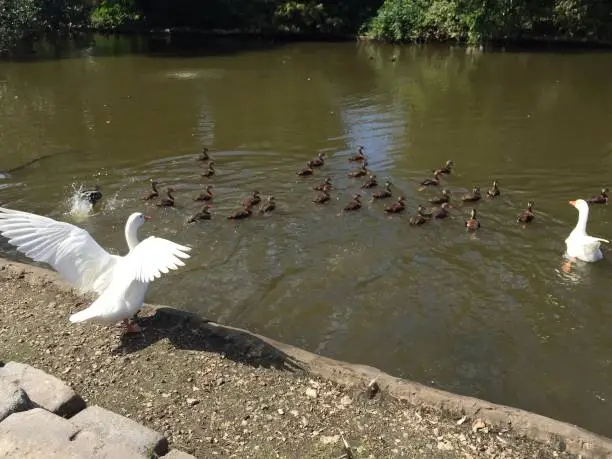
(167, 201)
(527, 215)
(92, 196)
(424, 211)
(359, 156)
(441, 212)
(325, 186)
(446, 169)
(203, 156)
(396, 207)
(206, 195)
(370, 182)
(383, 194)
(305, 171)
(354, 204)
(269, 205)
(363, 170)
(203, 214)
(602, 198)
(210, 171)
(472, 223)
(318, 161)
(434, 181)
(444, 197)
(321, 197)
(417, 220)
(150, 195)
(473, 196)
(241, 214)
(253, 200)
(493, 192)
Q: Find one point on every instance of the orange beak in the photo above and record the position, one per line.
(573, 203)
(146, 217)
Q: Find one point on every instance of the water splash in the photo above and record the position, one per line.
(79, 208)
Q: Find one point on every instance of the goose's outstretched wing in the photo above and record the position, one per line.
(70, 250)
(151, 258)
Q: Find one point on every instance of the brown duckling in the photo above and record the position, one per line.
(383, 194)
(417, 220)
(203, 214)
(370, 182)
(359, 156)
(210, 171)
(167, 201)
(150, 195)
(602, 198)
(269, 205)
(424, 211)
(253, 200)
(241, 214)
(325, 186)
(441, 212)
(446, 169)
(493, 192)
(434, 181)
(397, 207)
(363, 170)
(473, 196)
(305, 171)
(444, 197)
(472, 223)
(205, 195)
(354, 204)
(318, 161)
(321, 197)
(203, 156)
(527, 215)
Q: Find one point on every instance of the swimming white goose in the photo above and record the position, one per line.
(121, 282)
(579, 244)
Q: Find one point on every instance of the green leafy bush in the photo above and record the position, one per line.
(115, 14)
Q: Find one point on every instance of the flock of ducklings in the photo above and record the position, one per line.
(322, 194)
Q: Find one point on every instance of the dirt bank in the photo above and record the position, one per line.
(220, 391)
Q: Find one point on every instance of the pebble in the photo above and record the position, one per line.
(310, 392)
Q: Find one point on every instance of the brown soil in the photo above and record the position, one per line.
(219, 391)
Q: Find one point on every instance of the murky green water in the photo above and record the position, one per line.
(492, 316)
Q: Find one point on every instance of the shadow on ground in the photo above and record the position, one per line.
(190, 332)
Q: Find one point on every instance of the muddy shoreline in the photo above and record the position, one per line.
(216, 390)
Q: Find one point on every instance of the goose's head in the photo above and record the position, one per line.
(581, 205)
(136, 220)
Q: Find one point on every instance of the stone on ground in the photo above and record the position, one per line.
(44, 390)
(115, 428)
(12, 399)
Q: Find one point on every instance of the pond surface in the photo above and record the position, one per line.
(491, 315)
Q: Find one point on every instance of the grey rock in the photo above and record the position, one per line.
(44, 390)
(12, 399)
(115, 428)
(176, 454)
(38, 433)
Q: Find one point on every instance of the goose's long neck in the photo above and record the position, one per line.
(131, 236)
(583, 216)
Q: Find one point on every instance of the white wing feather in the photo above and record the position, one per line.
(70, 250)
(151, 258)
